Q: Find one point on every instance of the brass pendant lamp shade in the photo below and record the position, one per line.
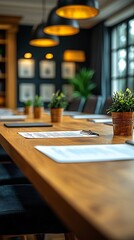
(60, 26)
(77, 9)
(74, 56)
(41, 39)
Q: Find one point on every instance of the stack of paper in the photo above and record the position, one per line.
(88, 153)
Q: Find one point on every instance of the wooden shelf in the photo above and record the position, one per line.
(8, 30)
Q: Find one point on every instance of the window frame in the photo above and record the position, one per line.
(127, 76)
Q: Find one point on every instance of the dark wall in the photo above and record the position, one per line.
(96, 51)
(85, 40)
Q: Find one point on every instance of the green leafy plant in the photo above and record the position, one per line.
(82, 83)
(58, 100)
(28, 103)
(38, 102)
(122, 102)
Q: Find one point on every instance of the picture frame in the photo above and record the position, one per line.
(68, 70)
(68, 91)
(46, 91)
(26, 68)
(47, 69)
(26, 91)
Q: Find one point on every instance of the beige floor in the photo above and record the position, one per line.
(32, 237)
(54, 237)
(47, 237)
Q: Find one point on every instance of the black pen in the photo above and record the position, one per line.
(131, 142)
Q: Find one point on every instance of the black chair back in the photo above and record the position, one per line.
(74, 105)
(92, 105)
(106, 105)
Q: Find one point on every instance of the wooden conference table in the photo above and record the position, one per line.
(95, 200)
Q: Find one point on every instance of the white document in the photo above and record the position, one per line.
(6, 111)
(12, 117)
(101, 120)
(70, 113)
(88, 153)
(55, 134)
(90, 116)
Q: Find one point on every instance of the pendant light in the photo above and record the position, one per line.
(60, 26)
(41, 39)
(77, 9)
(74, 56)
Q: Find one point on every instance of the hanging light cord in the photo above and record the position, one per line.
(43, 10)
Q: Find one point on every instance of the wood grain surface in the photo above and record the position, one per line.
(95, 200)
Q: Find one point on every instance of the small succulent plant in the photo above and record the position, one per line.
(58, 100)
(28, 103)
(122, 101)
(38, 102)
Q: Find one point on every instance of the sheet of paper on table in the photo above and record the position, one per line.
(55, 134)
(88, 153)
(6, 111)
(101, 120)
(12, 117)
(91, 116)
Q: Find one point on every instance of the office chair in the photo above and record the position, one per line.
(22, 212)
(106, 105)
(74, 105)
(11, 174)
(4, 158)
(92, 104)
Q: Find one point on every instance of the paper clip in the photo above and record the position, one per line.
(89, 132)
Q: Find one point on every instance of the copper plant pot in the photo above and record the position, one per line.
(123, 123)
(56, 114)
(38, 112)
(28, 110)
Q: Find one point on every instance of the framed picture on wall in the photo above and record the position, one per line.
(46, 91)
(47, 69)
(68, 91)
(26, 92)
(68, 70)
(26, 68)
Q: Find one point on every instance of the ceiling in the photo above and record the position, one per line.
(30, 11)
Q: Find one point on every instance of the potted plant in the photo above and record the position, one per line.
(28, 107)
(57, 105)
(38, 106)
(122, 111)
(83, 85)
